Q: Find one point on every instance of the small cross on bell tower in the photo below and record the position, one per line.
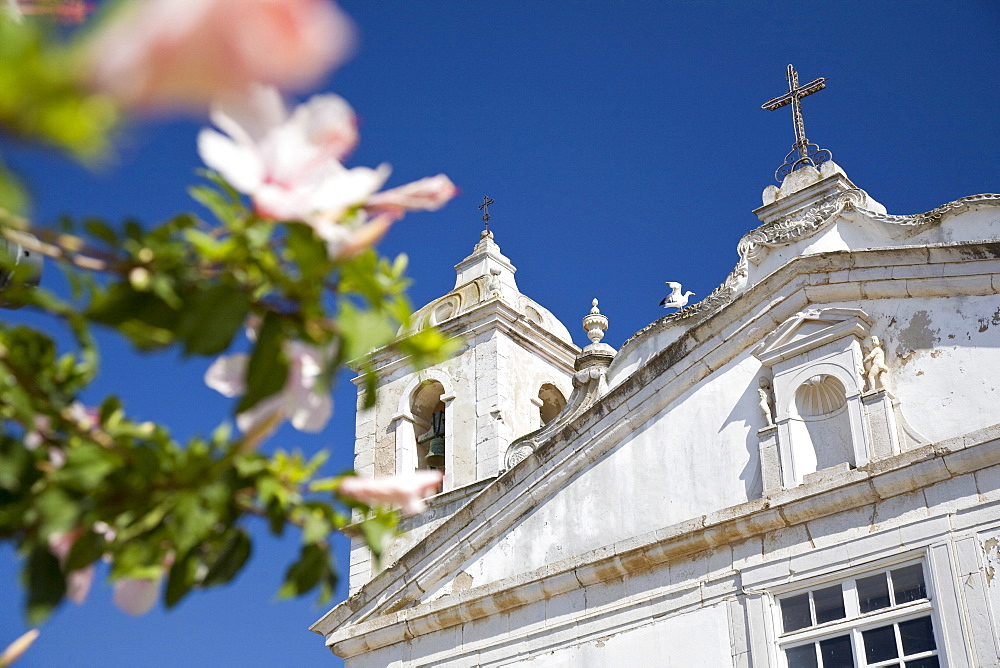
(485, 208)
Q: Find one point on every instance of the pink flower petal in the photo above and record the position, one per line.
(427, 194)
(78, 584)
(405, 491)
(136, 596)
(227, 375)
(237, 163)
(185, 53)
(261, 414)
(86, 418)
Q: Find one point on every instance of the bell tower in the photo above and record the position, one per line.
(512, 375)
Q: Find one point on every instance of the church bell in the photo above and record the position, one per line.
(435, 453)
(435, 441)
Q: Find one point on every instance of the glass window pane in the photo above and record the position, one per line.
(795, 612)
(873, 593)
(917, 635)
(801, 657)
(927, 662)
(908, 584)
(829, 604)
(880, 644)
(836, 652)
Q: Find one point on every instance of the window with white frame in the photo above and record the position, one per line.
(878, 619)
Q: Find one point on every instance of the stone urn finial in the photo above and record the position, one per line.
(595, 324)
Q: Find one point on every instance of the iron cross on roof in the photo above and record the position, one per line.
(809, 154)
(485, 208)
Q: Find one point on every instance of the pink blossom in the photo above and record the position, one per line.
(290, 164)
(407, 492)
(86, 418)
(428, 194)
(77, 582)
(35, 437)
(65, 11)
(136, 596)
(185, 53)
(299, 401)
(83, 417)
(18, 647)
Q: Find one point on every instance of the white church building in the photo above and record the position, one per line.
(801, 470)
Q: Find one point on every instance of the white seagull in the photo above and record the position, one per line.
(675, 298)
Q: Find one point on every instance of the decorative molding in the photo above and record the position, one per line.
(800, 225)
(588, 386)
(922, 221)
(349, 635)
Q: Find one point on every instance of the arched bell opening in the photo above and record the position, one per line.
(428, 411)
(552, 402)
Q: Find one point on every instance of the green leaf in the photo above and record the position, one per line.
(99, 229)
(230, 560)
(428, 346)
(220, 182)
(221, 207)
(363, 330)
(378, 529)
(56, 510)
(13, 196)
(268, 366)
(180, 580)
(142, 316)
(45, 583)
(211, 318)
(315, 526)
(276, 518)
(306, 573)
(190, 521)
(326, 484)
(86, 550)
(308, 252)
(87, 466)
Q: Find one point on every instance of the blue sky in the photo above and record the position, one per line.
(624, 146)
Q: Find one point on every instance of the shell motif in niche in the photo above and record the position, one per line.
(446, 309)
(820, 396)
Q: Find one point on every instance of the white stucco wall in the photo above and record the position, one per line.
(944, 360)
(697, 639)
(943, 354)
(709, 434)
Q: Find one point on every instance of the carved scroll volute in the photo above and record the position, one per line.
(589, 384)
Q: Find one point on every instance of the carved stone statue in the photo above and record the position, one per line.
(493, 285)
(766, 401)
(875, 368)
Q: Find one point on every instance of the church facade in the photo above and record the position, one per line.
(801, 470)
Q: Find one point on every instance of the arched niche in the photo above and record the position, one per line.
(815, 359)
(550, 403)
(819, 426)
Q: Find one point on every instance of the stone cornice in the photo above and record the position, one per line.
(799, 226)
(875, 482)
(707, 345)
(492, 314)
